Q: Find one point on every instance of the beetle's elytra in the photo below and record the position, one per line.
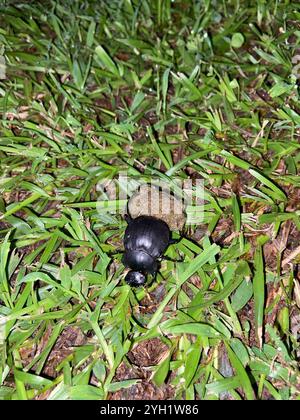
(146, 239)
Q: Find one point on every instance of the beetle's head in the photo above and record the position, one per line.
(135, 278)
(140, 261)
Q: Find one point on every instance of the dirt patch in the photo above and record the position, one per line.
(148, 352)
(70, 337)
(145, 389)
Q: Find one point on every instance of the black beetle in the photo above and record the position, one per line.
(146, 239)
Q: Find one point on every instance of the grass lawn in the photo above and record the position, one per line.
(158, 89)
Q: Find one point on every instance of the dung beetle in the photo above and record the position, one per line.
(146, 239)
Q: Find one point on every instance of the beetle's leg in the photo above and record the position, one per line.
(154, 269)
(160, 274)
(174, 240)
(154, 276)
(128, 218)
(171, 259)
(116, 252)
